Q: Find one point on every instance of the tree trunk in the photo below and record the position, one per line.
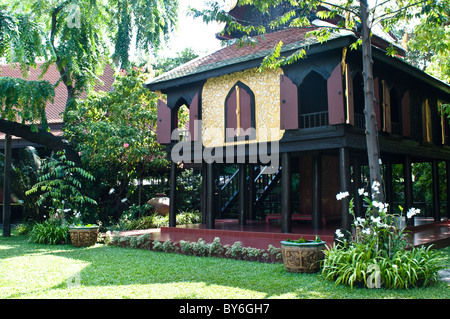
(373, 152)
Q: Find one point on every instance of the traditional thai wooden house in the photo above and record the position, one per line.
(303, 121)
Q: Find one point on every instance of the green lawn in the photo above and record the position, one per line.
(44, 271)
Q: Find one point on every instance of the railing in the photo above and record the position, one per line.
(310, 120)
(229, 187)
(360, 121)
(184, 136)
(396, 128)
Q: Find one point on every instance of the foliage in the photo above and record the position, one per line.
(189, 187)
(51, 232)
(60, 187)
(376, 254)
(165, 64)
(200, 248)
(301, 240)
(129, 221)
(114, 133)
(430, 38)
(26, 172)
(24, 101)
(346, 14)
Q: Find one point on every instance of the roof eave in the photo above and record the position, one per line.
(316, 48)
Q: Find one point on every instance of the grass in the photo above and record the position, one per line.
(34, 271)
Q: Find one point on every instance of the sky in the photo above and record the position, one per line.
(193, 33)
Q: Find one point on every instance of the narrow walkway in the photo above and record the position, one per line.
(261, 235)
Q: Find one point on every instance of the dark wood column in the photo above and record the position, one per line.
(251, 213)
(7, 188)
(243, 205)
(203, 202)
(436, 197)
(286, 193)
(316, 192)
(173, 195)
(407, 172)
(447, 168)
(210, 215)
(344, 173)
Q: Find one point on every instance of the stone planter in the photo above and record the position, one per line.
(83, 236)
(160, 204)
(302, 257)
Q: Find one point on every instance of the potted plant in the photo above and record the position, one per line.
(83, 235)
(302, 255)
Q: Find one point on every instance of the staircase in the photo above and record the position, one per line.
(228, 193)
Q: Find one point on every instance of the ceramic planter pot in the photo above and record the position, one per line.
(83, 236)
(302, 257)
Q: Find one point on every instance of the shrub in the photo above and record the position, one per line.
(375, 254)
(128, 222)
(50, 232)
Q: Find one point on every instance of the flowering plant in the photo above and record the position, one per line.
(374, 254)
(378, 229)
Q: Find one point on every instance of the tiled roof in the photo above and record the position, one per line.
(55, 109)
(294, 38)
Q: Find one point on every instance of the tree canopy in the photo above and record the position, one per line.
(80, 37)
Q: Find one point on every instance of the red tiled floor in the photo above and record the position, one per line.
(261, 235)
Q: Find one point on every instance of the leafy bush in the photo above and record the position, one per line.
(59, 187)
(127, 221)
(376, 254)
(51, 232)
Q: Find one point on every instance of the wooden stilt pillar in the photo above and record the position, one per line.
(173, 195)
(344, 173)
(203, 202)
(407, 172)
(242, 194)
(251, 192)
(447, 168)
(286, 193)
(210, 219)
(436, 199)
(317, 192)
(7, 188)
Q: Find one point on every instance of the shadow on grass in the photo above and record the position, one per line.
(107, 266)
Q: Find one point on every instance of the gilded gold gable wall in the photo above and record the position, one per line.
(266, 88)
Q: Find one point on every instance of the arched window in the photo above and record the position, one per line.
(181, 120)
(313, 101)
(240, 113)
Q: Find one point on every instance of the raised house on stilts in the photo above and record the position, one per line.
(295, 135)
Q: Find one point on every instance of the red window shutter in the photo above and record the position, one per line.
(387, 108)
(376, 92)
(164, 125)
(406, 115)
(288, 104)
(231, 119)
(350, 97)
(245, 101)
(336, 114)
(194, 128)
